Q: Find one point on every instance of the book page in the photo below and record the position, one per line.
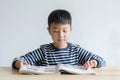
(55, 69)
(37, 69)
(75, 69)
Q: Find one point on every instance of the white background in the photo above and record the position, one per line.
(96, 26)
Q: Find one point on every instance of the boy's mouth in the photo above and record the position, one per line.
(60, 40)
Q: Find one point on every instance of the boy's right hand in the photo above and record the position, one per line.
(19, 64)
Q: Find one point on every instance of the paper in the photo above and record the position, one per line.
(37, 69)
(60, 68)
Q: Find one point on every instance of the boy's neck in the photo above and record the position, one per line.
(60, 46)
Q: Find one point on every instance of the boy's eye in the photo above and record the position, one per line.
(65, 31)
(57, 31)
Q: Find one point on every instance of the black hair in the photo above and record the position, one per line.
(59, 16)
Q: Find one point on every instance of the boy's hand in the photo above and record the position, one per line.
(19, 64)
(90, 64)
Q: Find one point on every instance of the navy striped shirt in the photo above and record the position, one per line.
(48, 54)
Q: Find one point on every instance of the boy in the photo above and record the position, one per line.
(60, 51)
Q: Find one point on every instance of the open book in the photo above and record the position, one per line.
(60, 68)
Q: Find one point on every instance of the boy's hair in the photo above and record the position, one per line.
(59, 16)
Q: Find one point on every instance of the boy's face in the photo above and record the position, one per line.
(60, 34)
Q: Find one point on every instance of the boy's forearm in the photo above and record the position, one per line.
(101, 63)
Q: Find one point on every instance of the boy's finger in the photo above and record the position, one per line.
(25, 63)
(94, 62)
(87, 65)
(22, 63)
(91, 64)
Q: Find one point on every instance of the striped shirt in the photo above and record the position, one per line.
(48, 54)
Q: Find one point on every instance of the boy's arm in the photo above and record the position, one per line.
(86, 57)
(31, 58)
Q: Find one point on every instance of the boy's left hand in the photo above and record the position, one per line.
(90, 64)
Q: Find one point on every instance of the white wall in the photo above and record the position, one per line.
(23, 26)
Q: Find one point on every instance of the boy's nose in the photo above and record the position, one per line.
(61, 34)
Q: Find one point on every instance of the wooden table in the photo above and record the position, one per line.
(105, 73)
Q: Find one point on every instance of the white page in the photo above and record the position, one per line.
(75, 69)
(37, 69)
